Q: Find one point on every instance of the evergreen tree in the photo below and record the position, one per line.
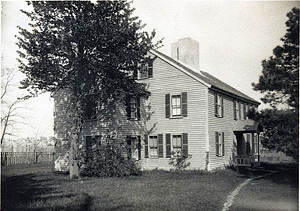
(280, 75)
(89, 48)
(280, 83)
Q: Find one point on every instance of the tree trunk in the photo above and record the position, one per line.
(74, 170)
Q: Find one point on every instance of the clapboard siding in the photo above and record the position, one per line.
(63, 114)
(167, 79)
(225, 125)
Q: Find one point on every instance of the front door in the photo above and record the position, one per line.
(240, 144)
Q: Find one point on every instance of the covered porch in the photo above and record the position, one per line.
(247, 141)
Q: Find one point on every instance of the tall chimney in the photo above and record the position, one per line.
(186, 50)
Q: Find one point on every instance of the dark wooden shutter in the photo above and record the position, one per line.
(168, 145)
(139, 147)
(234, 109)
(150, 69)
(160, 146)
(185, 144)
(167, 100)
(239, 104)
(184, 103)
(217, 142)
(146, 146)
(138, 104)
(127, 104)
(245, 112)
(222, 107)
(223, 144)
(216, 104)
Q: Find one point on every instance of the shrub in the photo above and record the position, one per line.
(179, 160)
(109, 161)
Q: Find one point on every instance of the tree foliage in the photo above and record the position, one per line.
(280, 75)
(89, 48)
(280, 130)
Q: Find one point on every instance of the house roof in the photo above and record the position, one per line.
(205, 78)
(248, 125)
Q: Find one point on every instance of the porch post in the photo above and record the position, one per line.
(258, 157)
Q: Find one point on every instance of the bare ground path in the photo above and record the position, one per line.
(274, 192)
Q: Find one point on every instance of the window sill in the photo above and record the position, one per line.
(176, 117)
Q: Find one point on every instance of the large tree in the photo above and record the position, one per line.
(89, 48)
(280, 75)
(280, 84)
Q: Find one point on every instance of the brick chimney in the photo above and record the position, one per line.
(186, 50)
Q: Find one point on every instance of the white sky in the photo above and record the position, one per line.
(234, 37)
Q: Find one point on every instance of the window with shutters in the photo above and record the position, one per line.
(153, 145)
(219, 108)
(177, 143)
(133, 108)
(220, 148)
(146, 71)
(176, 105)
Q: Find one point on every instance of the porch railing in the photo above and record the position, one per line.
(245, 160)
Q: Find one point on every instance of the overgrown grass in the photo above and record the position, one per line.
(36, 187)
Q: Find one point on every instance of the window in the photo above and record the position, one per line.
(255, 143)
(219, 110)
(133, 108)
(153, 145)
(236, 110)
(176, 105)
(246, 111)
(179, 143)
(176, 143)
(146, 71)
(90, 107)
(91, 143)
(220, 144)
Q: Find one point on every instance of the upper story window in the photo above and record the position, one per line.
(133, 107)
(146, 71)
(176, 105)
(219, 108)
(90, 107)
(236, 110)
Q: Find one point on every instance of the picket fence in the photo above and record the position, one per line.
(12, 158)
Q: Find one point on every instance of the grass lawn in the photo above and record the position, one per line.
(37, 187)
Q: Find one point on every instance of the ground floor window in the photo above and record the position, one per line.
(177, 145)
(220, 149)
(153, 145)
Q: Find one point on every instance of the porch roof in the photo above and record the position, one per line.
(248, 125)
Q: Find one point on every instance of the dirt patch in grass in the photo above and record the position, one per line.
(36, 187)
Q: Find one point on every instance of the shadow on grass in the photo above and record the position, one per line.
(287, 174)
(40, 191)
